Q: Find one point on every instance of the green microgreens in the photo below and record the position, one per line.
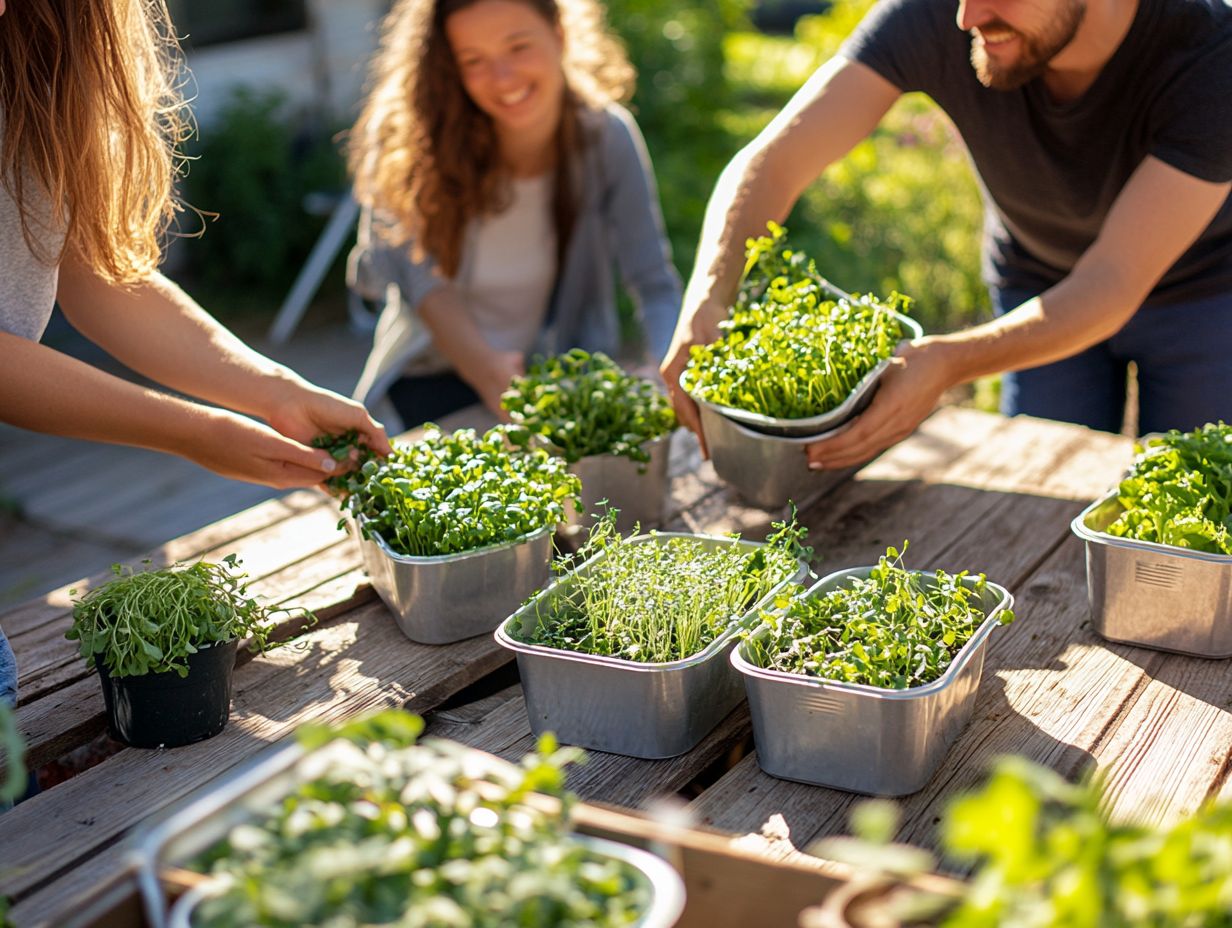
(895, 629)
(660, 600)
(789, 351)
(446, 494)
(1179, 491)
(150, 621)
(418, 835)
(349, 447)
(585, 404)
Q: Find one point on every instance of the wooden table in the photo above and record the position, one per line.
(970, 490)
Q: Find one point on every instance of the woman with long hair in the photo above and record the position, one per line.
(90, 120)
(503, 186)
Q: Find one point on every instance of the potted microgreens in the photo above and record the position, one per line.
(164, 643)
(612, 428)
(1044, 853)
(890, 657)
(455, 529)
(367, 826)
(1159, 548)
(792, 362)
(627, 651)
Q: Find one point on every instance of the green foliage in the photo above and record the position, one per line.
(788, 351)
(348, 447)
(13, 753)
(390, 832)
(663, 599)
(682, 86)
(253, 166)
(1179, 491)
(896, 629)
(584, 404)
(1047, 856)
(445, 494)
(151, 621)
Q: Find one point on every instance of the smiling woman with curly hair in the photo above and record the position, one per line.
(502, 182)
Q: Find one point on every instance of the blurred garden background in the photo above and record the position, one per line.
(901, 213)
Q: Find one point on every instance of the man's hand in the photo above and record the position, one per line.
(698, 327)
(908, 392)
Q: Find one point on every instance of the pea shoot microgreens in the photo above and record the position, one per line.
(896, 629)
(1045, 853)
(1179, 491)
(663, 599)
(788, 350)
(446, 494)
(387, 833)
(586, 404)
(150, 621)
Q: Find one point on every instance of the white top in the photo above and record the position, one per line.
(27, 285)
(506, 274)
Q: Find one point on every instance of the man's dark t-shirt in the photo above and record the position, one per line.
(1050, 172)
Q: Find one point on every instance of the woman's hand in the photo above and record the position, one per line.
(699, 327)
(301, 411)
(492, 377)
(908, 392)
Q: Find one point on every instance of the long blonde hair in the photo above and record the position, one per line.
(92, 115)
(424, 154)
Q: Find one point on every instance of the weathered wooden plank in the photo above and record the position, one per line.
(502, 729)
(220, 535)
(341, 672)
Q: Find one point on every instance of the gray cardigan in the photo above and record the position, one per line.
(618, 226)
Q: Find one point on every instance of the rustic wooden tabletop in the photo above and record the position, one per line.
(970, 491)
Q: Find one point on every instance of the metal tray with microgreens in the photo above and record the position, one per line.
(861, 738)
(251, 791)
(622, 706)
(814, 426)
(1154, 595)
(766, 470)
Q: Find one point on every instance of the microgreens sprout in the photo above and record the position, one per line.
(895, 629)
(664, 599)
(349, 447)
(1179, 491)
(150, 621)
(585, 404)
(445, 494)
(388, 833)
(790, 351)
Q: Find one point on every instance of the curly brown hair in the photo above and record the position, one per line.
(92, 116)
(427, 156)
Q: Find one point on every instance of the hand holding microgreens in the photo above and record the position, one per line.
(586, 404)
(661, 599)
(446, 494)
(1179, 491)
(895, 629)
(388, 832)
(348, 447)
(150, 621)
(788, 350)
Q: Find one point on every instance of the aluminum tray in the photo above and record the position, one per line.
(864, 739)
(619, 706)
(766, 470)
(1153, 595)
(437, 600)
(255, 786)
(638, 494)
(812, 426)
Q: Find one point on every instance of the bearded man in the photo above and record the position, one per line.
(1101, 131)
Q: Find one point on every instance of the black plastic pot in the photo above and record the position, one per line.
(165, 710)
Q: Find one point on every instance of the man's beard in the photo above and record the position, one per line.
(1036, 50)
